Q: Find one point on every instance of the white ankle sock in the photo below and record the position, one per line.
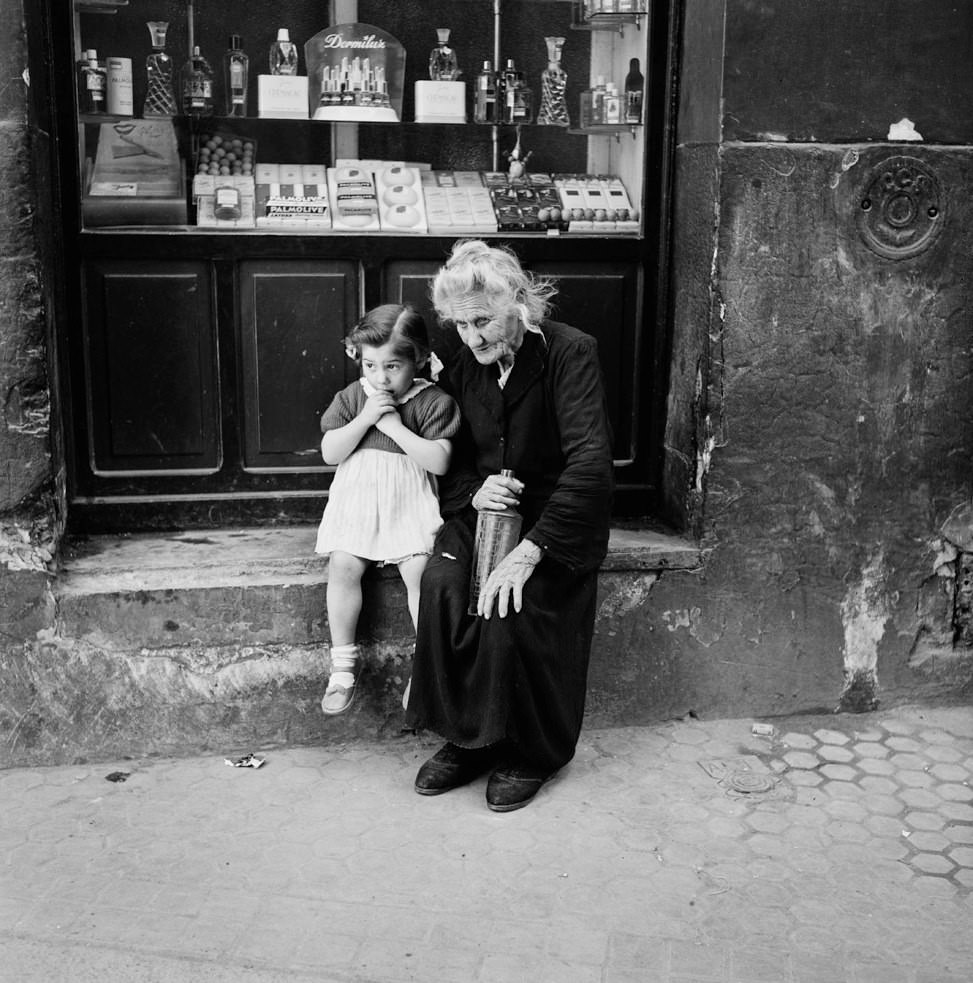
(344, 660)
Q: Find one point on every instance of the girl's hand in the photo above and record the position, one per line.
(497, 493)
(389, 423)
(506, 583)
(376, 406)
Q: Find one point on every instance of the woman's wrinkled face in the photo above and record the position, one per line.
(489, 335)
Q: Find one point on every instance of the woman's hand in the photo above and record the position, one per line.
(497, 493)
(506, 583)
(376, 406)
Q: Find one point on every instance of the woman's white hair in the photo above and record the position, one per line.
(494, 272)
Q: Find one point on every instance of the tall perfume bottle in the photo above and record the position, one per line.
(634, 93)
(554, 84)
(197, 86)
(443, 65)
(160, 94)
(92, 84)
(517, 97)
(236, 75)
(485, 97)
(283, 54)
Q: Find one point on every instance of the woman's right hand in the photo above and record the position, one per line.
(376, 406)
(497, 493)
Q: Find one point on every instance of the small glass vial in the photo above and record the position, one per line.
(497, 533)
(283, 54)
(236, 71)
(485, 97)
(92, 84)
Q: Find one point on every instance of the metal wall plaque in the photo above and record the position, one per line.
(901, 208)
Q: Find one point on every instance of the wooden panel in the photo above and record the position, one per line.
(293, 317)
(604, 300)
(152, 382)
(409, 282)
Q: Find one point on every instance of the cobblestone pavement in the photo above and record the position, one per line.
(835, 849)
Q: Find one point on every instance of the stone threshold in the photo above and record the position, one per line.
(251, 556)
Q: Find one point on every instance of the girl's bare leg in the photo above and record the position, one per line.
(344, 597)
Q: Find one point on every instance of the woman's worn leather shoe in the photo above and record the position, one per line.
(452, 766)
(513, 786)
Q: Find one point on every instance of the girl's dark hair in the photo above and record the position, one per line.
(398, 324)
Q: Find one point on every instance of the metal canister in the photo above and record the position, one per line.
(497, 533)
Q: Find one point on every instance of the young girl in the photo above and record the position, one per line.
(389, 433)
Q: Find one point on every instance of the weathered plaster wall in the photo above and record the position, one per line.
(831, 414)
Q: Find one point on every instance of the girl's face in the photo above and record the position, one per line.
(386, 370)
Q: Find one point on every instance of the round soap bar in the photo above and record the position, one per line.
(399, 194)
(404, 216)
(398, 175)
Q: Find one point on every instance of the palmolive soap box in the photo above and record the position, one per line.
(353, 198)
(293, 197)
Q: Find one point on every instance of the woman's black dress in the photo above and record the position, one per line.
(520, 679)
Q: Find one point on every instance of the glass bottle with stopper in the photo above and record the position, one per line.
(160, 93)
(554, 83)
(443, 64)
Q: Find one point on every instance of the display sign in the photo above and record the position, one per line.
(356, 72)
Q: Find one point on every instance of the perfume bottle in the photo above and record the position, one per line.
(236, 74)
(517, 97)
(554, 84)
(283, 54)
(197, 86)
(443, 66)
(92, 84)
(497, 533)
(160, 96)
(485, 97)
(634, 93)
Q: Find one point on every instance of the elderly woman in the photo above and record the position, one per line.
(506, 687)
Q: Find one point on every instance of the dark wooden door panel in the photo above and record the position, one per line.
(604, 300)
(152, 366)
(293, 317)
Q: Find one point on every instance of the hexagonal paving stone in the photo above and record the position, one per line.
(928, 842)
(935, 736)
(846, 832)
(884, 826)
(903, 744)
(871, 734)
(831, 752)
(870, 750)
(826, 736)
(895, 726)
(839, 773)
(878, 784)
(931, 863)
(920, 798)
(801, 759)
(955, 792)
(924, 820)
(961, 855)
(873, 767)
(799, 741)
(804, 779)
(964, 877)
(884, 805)
(767, 822)
(951, 772)
(958, 811)
(851, 812)
(904, 760)
(915, 779)
(942, 753)
(959, 833)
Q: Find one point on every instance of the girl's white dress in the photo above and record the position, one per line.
(383, 506)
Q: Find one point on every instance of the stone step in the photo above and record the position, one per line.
(171, 642)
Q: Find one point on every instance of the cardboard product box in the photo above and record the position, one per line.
(354, 203)
(282, 97)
